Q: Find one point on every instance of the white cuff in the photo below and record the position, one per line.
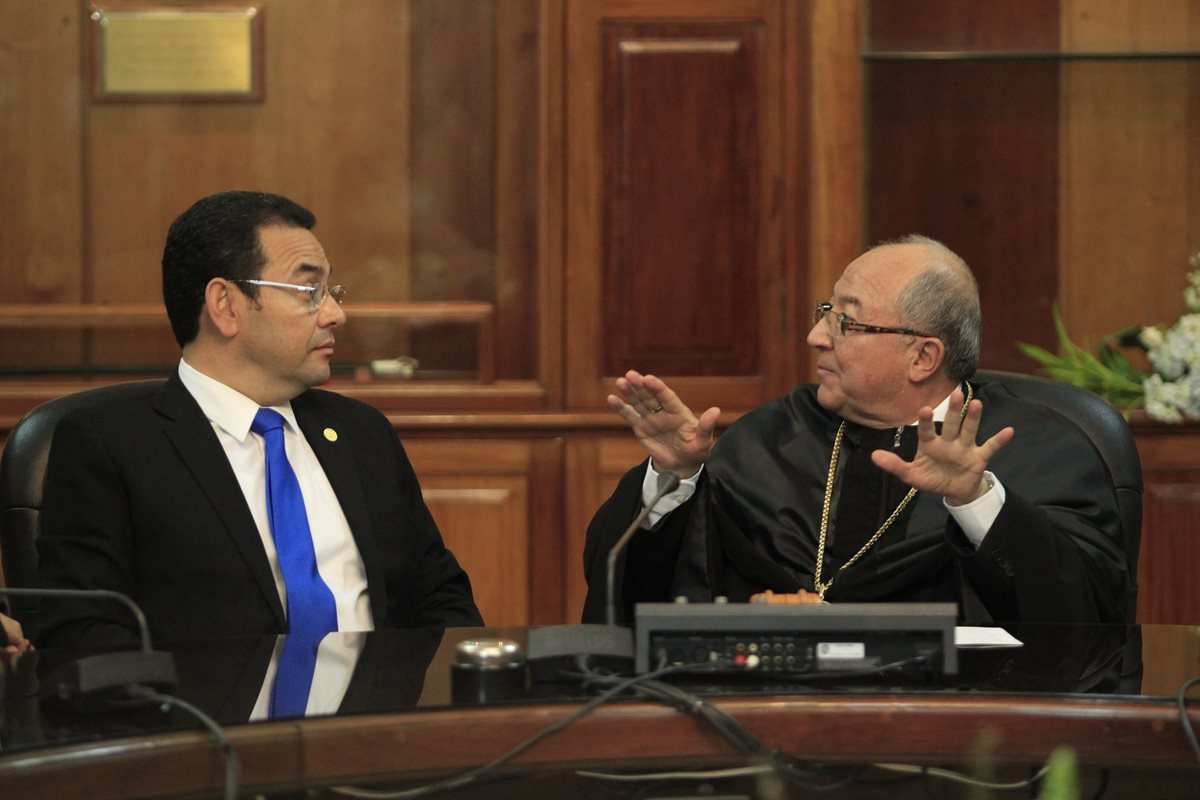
(687, 487)
(976, 517)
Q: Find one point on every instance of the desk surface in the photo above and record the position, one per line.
(397, 724)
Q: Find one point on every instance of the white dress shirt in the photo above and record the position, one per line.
(337, 656)
(338, 560)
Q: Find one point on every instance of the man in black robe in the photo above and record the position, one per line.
(888, 467)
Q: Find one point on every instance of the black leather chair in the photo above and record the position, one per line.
(1110, 434)
(22, 473)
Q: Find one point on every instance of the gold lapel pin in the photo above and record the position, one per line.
(331, 434)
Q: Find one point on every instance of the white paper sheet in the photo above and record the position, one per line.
(973, 636)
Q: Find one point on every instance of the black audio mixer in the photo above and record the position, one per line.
(797, 639)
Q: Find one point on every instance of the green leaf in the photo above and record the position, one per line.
(1108, 373)
(1038, 354)
(1130, 337)
(1062, 776)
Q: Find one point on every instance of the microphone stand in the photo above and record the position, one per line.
(558, 647)
(95, 674)
(667, 482)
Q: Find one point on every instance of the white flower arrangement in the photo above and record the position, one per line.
(1169, 394)
(1172, 393)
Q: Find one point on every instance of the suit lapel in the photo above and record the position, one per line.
(192, 435)
(334, 448)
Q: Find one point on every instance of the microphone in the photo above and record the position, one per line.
(668, 482)
(90, 675)
(554, 651)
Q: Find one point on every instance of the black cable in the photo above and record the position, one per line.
(1184, 720)
(795, 770)
(233, 765)
(799, 772)
(471, 775)
(647, 685)
(1103, 787)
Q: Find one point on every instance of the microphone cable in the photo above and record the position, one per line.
(141, 695)
(1184, 720)
(472, 775)
(799, 772)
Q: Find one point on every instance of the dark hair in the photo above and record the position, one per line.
(218, 238)
(943, 300)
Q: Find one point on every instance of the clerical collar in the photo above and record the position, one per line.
(939, 413)
(858, 433)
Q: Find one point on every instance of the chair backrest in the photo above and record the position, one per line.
(23, 472)
(1111, 436)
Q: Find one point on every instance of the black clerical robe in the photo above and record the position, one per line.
(1054, 553)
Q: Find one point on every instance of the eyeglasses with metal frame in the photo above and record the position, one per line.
(316, 292)
(845, 323)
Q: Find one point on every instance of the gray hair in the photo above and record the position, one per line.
(943, 301)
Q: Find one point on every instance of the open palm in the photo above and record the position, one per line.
(674, 437)
(950, 465)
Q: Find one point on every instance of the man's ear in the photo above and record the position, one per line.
(928, 356)
(223, 307)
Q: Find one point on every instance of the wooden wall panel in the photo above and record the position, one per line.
(453, 129)
(967, 153)
(453, 53)
(1120, 199)
(660, 173)
(1130, 168)
(41, 150)
(1123, 26)
(331, 86)
(594, 466)
(493, 502)
(360, 100)
(681, 259)
(584, 495)
(1170, 661)
(963, 25)
(519, 141)
(1167, 590)
(835, 190)
(484, 519)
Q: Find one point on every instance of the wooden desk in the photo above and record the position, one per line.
(1140, 743)
(1135, 743)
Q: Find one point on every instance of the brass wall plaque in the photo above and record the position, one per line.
(177, 53)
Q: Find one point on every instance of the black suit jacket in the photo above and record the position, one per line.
(141, 499)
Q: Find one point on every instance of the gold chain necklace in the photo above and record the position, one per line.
(822, 588)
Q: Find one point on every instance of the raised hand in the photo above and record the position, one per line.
(950, 465)
(668, 430)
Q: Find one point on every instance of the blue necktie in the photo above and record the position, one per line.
(310, 606)
(294, 675)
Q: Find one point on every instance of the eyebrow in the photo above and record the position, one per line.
(848, 300)
(315, 270)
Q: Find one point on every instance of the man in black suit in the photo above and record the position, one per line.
(164, 497)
